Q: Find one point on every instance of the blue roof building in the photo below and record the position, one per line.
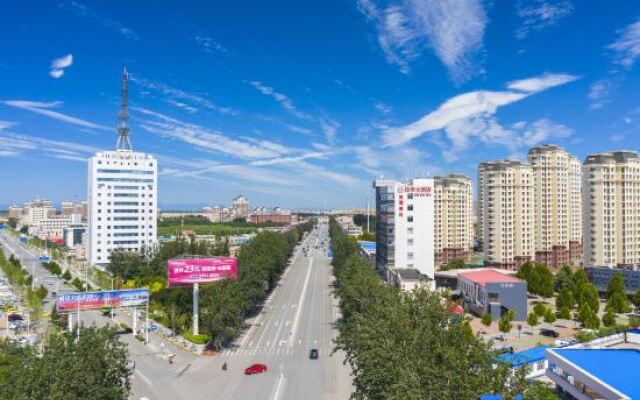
(369, 251)
(608, 372)
(533, 358)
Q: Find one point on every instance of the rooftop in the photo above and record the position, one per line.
(369, 247)
(615, 367)
(524, 357)
(408, 273)
(488, 276)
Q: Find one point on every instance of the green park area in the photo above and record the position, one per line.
(202, 226)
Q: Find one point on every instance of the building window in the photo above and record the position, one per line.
(410, 207)
(409, 256)
(410, 218)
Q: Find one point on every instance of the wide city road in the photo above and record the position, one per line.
(299, 315)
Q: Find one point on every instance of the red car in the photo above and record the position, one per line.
(255, 369)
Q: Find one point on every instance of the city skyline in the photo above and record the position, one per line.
(301, 116)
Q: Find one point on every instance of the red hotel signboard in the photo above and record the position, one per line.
(187, 271)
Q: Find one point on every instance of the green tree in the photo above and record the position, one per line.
(487, 319)
(456, 263)
(617, 300)
(565, 312)
(589, 295)
(539, 309)
(545, 281)
(580, 279)
(91, 367)
(564, 278)
(549, 316)
(588, 317)
(636, 299)
(66, 275)
(565, 298)
(609, 319)
(504, 324)
(532, 319)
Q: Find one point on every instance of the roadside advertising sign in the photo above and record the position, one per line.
(186, 271)
(105, 299)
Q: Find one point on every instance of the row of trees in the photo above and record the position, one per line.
(408, 345)
(91, 366)
(223, 305)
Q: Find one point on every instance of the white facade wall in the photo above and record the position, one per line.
(122, 204)
(412, 230)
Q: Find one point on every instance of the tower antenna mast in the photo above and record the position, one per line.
(124, 144)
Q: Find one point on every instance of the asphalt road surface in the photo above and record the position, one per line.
(298, 316)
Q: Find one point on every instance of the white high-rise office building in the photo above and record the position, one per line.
(557, 205)
(404, 227)
(611, 204)
(122, 198)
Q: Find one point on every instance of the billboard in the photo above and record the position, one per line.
(109, 298)
(186, 271)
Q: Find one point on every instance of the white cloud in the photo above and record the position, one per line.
(208, 44)
(83, 11)
(617, 138)
(59, 65)
(540, 83)
(184, 106)
(472, 104)
(540, 14)
(330, 129)
(627, 46)
(282, 99)
(600, 93)
(13, 145)
(45, 108)
(382, 107)
(299, 129)
(454, 29)
(207, 139)
(175, 93)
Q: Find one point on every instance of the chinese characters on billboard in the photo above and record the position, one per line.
(105, 299)
(201, 270)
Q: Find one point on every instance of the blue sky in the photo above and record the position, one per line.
(302, 104)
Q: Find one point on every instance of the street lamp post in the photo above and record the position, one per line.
(110, 298)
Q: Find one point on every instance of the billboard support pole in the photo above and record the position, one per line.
(146, 329)
(70, 321)
(135, 320)
(196, 294)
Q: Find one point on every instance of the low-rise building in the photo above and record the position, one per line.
(604, 369)
(533, 359)
(408, 279)
(73, 235)
(50, 227)
(600, 277)
(369, 251)
(490, 292)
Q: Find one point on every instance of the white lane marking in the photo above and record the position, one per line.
(299, 308)
(143, 377)
(264, 330)
(276, 395)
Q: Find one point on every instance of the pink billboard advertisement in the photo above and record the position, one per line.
(186, 271)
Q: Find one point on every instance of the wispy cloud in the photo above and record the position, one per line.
(46, 109)
(539, 14)
(208, 44)
(82, 11)
(625, 50)
(59, 64)
(299, 129)
(206, 139)
(282, 99)
(179, 96)
(453, 29)
(472, 104)
(14, 145)
(626, 47)
(600, 93)
(330, 128)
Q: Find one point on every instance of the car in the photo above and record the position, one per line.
(549, 332)
(505, 350)
(313, 354)
(255, 369)
(15, 317)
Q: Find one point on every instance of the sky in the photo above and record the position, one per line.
(302, 104)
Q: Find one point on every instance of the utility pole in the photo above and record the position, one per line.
(368, 208)
(196, 307)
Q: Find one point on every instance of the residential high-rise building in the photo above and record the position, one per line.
(557, 205)
(122, 197)
(453, 218)
(240, 206)
(404, 227)
(611, 209)
(505, 203)
(67, 208)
